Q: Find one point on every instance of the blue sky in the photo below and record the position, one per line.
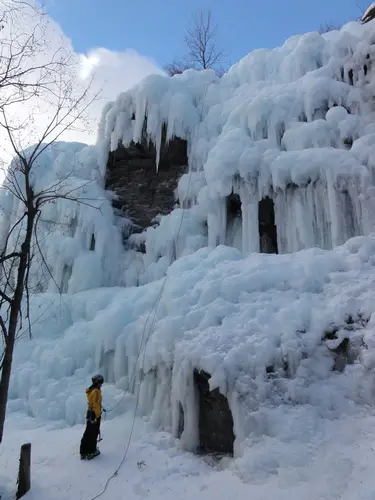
(155, 28)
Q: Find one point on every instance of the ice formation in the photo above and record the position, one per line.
(292, 124)
(290, 127)
(265, 327)
(79, 241)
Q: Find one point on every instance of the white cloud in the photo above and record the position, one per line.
(113, 72)
(117, 69)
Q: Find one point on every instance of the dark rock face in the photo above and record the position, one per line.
(215, 418)
(345, 348)
(266, 221)
(233, 206)
(267, 227)
(142, 192)
(181, 421)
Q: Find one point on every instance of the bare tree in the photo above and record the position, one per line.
(327, 27)
(26, 79)
(203, 50)
(176, 67)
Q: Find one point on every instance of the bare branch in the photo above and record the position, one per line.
(5, 297)
(47, 193)
(327, 27)
(10, 256)
(15, 225)
(28, 295)
(65, 197)
(176, 68)
(41, 253)
(3, 329)
(53, 188)
(69, 113)
(23, 79)
(203, 51)
(12, 141)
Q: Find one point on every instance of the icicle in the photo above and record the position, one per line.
(147, 392)
(161, 415)
(184, 387)
(158, 148)
(334, 211)
(217, 222)
(321, 217)
(120, 364)
(250, 222)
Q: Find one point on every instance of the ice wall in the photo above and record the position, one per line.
(77, 245)
(294, 123)
(265, 327)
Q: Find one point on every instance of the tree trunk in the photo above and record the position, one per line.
(24, 472)
(4, 383)
(15, 309)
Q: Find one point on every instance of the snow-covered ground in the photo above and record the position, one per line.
(338, 464)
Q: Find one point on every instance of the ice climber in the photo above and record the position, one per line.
(88, 448)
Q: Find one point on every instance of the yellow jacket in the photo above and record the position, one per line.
(94, 400)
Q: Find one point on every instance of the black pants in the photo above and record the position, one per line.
(90, 438)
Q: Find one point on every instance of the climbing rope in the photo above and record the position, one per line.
(158, 298)
(153, 310)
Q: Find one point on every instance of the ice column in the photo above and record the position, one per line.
(217, 222)
(250, 223)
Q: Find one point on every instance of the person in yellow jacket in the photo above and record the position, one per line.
(88, 448)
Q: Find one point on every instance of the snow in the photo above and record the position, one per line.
(294, 124)
(336, 462)
(217, 311)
